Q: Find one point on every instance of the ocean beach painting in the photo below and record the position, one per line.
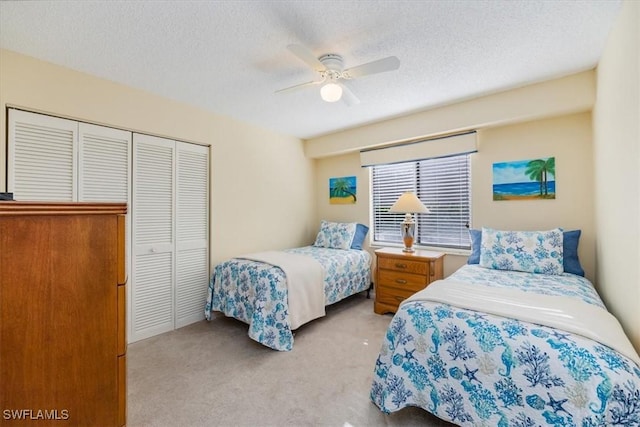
(342, 191)
(525, 179)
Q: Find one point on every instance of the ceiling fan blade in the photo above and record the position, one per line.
(380, 66)
(307, 56)
(300, 86)
(348, 97)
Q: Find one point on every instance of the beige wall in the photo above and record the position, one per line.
(338, 153)
(554, 98)
(338, 166)
(262, 184)
(567, 138)
(617, 171)
(570, 94)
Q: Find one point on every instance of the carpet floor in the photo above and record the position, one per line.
(213, 374)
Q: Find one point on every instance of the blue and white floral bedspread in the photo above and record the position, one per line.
(477, 369)
(256, 293)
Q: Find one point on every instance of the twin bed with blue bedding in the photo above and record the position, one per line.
(276, 292)
(499, 344)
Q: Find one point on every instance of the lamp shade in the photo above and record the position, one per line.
(331, 92)
(408, 203)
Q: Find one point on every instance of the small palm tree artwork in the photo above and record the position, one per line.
(342, 190)
(539, 170)
(525, 179)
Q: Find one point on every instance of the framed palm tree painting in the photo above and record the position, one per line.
(525, 179)
(342, 191)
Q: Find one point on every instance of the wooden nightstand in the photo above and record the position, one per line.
(401, 274)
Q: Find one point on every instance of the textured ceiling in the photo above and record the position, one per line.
(229, 57)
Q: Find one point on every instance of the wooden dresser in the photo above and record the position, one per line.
(401, 274)
(62, 314)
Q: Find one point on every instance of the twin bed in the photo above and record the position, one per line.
(276, 292)
(517, 338)
(493, 346)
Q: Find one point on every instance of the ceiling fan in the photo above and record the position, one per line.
(332, 75)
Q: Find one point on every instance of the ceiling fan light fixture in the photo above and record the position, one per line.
(331, 73)
(331, 92)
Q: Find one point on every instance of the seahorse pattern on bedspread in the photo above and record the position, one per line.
(473, 368)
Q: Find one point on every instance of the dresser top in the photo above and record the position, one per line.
(418, 253)
(8, 208)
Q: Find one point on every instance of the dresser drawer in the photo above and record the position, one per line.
(396, 280)
(393, 297)
(396, 264)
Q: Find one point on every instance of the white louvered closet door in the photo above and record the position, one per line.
(166, 186)
(104, 169)
(153, 273)
(103, 164)
(192, 232)
(42, 157)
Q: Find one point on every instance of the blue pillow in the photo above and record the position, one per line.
(476, 238)
(570, 240)
(358, 238)
(570, 250)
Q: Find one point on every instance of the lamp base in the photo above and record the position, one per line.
(408, 233)
(408, 245)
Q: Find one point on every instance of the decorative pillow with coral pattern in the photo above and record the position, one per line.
(528, 251)
(336, 235)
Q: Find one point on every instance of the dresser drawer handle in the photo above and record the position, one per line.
(401, 281)
(400, 299)
(398, 265)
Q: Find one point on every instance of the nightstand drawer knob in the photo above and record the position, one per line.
(400, 298)
(398, 265)
(401, 281)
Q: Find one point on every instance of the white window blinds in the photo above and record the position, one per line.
(442, 184)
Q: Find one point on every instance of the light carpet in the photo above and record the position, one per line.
(213, 374)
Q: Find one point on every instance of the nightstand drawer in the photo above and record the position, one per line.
(393, 297)
(400, 274)
(406, 281)
(396, 264)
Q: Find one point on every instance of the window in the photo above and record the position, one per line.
(442, 184)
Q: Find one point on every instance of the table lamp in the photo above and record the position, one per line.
(408, 203)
